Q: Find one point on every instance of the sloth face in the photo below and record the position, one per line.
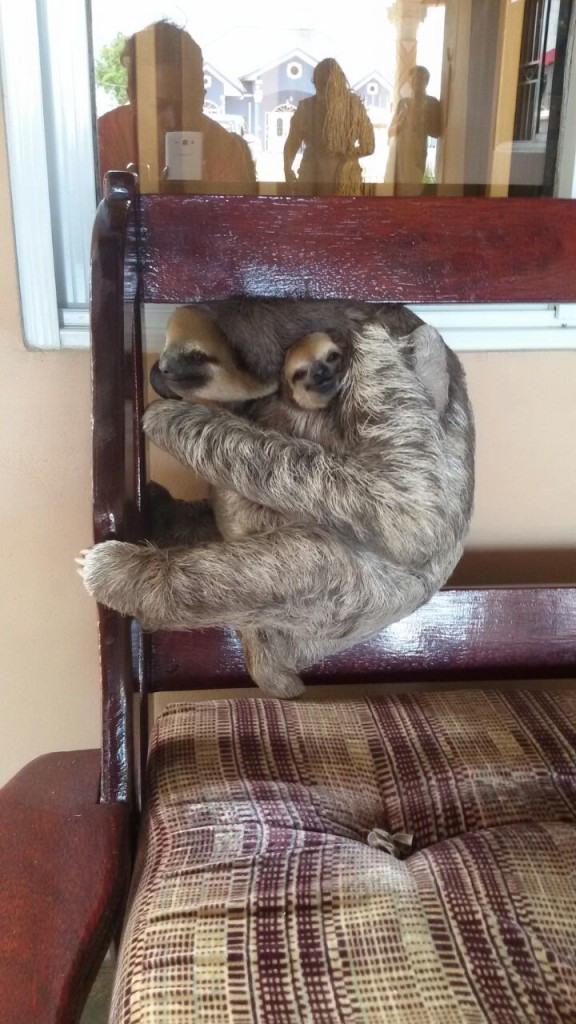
(189, 368)
(198, 365)
(313, 371)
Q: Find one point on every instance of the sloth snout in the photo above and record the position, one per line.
(320, 373)
(180, 365)
(171, 363)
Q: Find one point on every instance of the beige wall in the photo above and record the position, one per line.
(524, 525)
(48, 652)
(526, 496)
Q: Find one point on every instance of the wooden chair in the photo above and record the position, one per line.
(71, 820)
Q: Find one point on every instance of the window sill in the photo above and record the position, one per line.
(472, 328)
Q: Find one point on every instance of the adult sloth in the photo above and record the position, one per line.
(372, 525)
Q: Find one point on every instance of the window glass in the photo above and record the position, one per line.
(480, 54)
(411, 98)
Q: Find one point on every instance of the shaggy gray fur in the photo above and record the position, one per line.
(278, 323)
(362, 523)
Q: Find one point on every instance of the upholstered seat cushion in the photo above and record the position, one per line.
(265, 890)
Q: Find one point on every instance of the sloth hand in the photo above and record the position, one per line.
(165, 419)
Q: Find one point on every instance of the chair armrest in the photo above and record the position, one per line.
(64, 870)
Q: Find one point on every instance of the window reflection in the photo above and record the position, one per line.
(332, 131)
(417, 118)
(458, 98)
(162, 130)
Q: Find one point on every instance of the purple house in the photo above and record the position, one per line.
(275, 90)
(224, 99)
(260, 102)
(375, 91)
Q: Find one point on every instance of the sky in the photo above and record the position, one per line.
(208, 22)
(366, 43)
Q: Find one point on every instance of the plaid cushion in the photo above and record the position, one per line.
(266, 890)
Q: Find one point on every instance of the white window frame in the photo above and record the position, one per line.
(49, 130)
(48, 106)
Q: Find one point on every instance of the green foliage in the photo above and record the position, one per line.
(429, 178)
(110, 73)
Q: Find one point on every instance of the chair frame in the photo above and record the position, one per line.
(180, 249)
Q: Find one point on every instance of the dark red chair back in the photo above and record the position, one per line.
(176, 249)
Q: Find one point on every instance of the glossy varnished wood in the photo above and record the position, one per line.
(427, 249)
(117, 454)
(472, 634)
(64, 870)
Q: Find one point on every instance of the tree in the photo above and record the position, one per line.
(110, 73)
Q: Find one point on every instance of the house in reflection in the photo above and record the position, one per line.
(274, 90)
(377, 95)
(258, 100)
(224, 98)
(375, 91)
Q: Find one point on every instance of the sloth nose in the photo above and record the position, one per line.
(175, 363)
(320, 373)
(170, 362)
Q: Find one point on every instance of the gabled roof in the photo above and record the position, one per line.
(234, 86)
(374, 76)
(247, 51)
(295, 54)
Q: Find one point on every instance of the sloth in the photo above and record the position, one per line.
(199, 365)
(311, 378)
(313, 371)
(358, 522)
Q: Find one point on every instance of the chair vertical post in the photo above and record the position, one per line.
(117, 456)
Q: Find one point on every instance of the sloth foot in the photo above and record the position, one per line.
(280, 682)
(108, 571)
(269, 672)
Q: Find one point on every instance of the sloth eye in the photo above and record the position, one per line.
(299, 375)
(196, 356)
(332, 356)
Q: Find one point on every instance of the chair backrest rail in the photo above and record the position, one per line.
(461, 634)
(394, 250)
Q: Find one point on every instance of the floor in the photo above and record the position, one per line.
(96, 1009)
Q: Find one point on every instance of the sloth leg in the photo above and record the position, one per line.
(267, 667)
(291, 578)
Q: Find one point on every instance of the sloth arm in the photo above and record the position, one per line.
(354, 494)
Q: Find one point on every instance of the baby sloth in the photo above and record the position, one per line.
(205, 369)
(313, 371)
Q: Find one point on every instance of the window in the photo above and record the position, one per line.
(50, 113)
(294, 70)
